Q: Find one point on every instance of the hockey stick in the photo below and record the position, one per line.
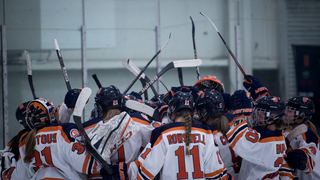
(302, 128)
(180, 76)
(97, 80)
(142, 79)
(142, 71)
(127, 63)
(63, 68)
(140, 107)
(30, 74)
(194, 48)
(230, 52)
(135, 70)
(81, 102)
(173, 64)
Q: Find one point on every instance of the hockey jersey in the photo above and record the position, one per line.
(165, 153)
(56, 147)
(262, 151)
(309, 143)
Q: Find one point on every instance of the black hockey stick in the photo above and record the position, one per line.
(97, 80)
(230, 52)
(81, 102)
(30, 74)
(127, 63)
(63, 68)
(194, 48)
(143, 78)
(142, 71)
(173, 64)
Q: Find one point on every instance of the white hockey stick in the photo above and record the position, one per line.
(63, 68)
(140, 107)
(302, 128)
(81, 102)
(173, 64)
(30, 74)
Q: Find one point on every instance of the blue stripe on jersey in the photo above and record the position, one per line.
(139, 116)
(66, 127)
(311, 137)
(157, 131)
(90, 165)
(237, 132)
(265, 133)
(142, 175)
(91, 122)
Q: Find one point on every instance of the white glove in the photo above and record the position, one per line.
(7, 161)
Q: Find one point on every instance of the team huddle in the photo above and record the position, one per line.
(193, 132)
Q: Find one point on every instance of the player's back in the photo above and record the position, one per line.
(56, 147)
(167, 152)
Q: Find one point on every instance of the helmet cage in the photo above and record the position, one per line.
(291, 114)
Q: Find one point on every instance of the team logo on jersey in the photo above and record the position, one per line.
(115, 102)
(186, 102)
(74, 133)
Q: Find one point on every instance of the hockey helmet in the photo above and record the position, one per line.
(209, 102)
(267, 109)
(209, 82)
(109, 98)
(297, 105)
(180, 100)
(41, 111)
(21, 114)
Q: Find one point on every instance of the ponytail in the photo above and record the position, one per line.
(31, 142)
(312, 127)
(187, 115)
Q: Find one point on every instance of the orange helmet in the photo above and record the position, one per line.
(209, 82)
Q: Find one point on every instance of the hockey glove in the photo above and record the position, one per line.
(226, 98)
(137, 95)
(7, 162)
(297, 159)
(71, 97)
(241, 104)
(119, 172)
(255, 87)
(161, 109)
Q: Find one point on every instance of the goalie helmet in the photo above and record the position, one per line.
(266, 109)
(209, 82)
(21, 114)
(297, 105)
(180, 100)
(209, 102)
(109, 98)
(41, 111)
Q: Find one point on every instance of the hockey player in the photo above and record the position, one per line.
(51, 145)
(179, 150)
(262, 147)
(109, 101)
(210, 108)
(303, 154)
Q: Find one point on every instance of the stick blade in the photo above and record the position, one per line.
(81, 101)
(187, 63)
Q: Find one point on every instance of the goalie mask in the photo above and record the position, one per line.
(268, 109)
(209, 82)
(299, 107)
(21, 114)
(209, 102)
(180, 100)
(41, 111)
(109, 98)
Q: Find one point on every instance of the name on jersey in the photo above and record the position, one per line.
(181, 138)
(46, 138)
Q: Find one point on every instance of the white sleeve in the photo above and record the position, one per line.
(64, 113)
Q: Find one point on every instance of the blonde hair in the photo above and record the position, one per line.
(220, 122)
(31, 142)
(110, 114)
(281, 124)
(312, 127)
(187, 116)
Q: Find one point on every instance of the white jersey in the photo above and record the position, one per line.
(309, 143)
(165, 153)
(131, 148)
(262, 151)
(56, 147)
